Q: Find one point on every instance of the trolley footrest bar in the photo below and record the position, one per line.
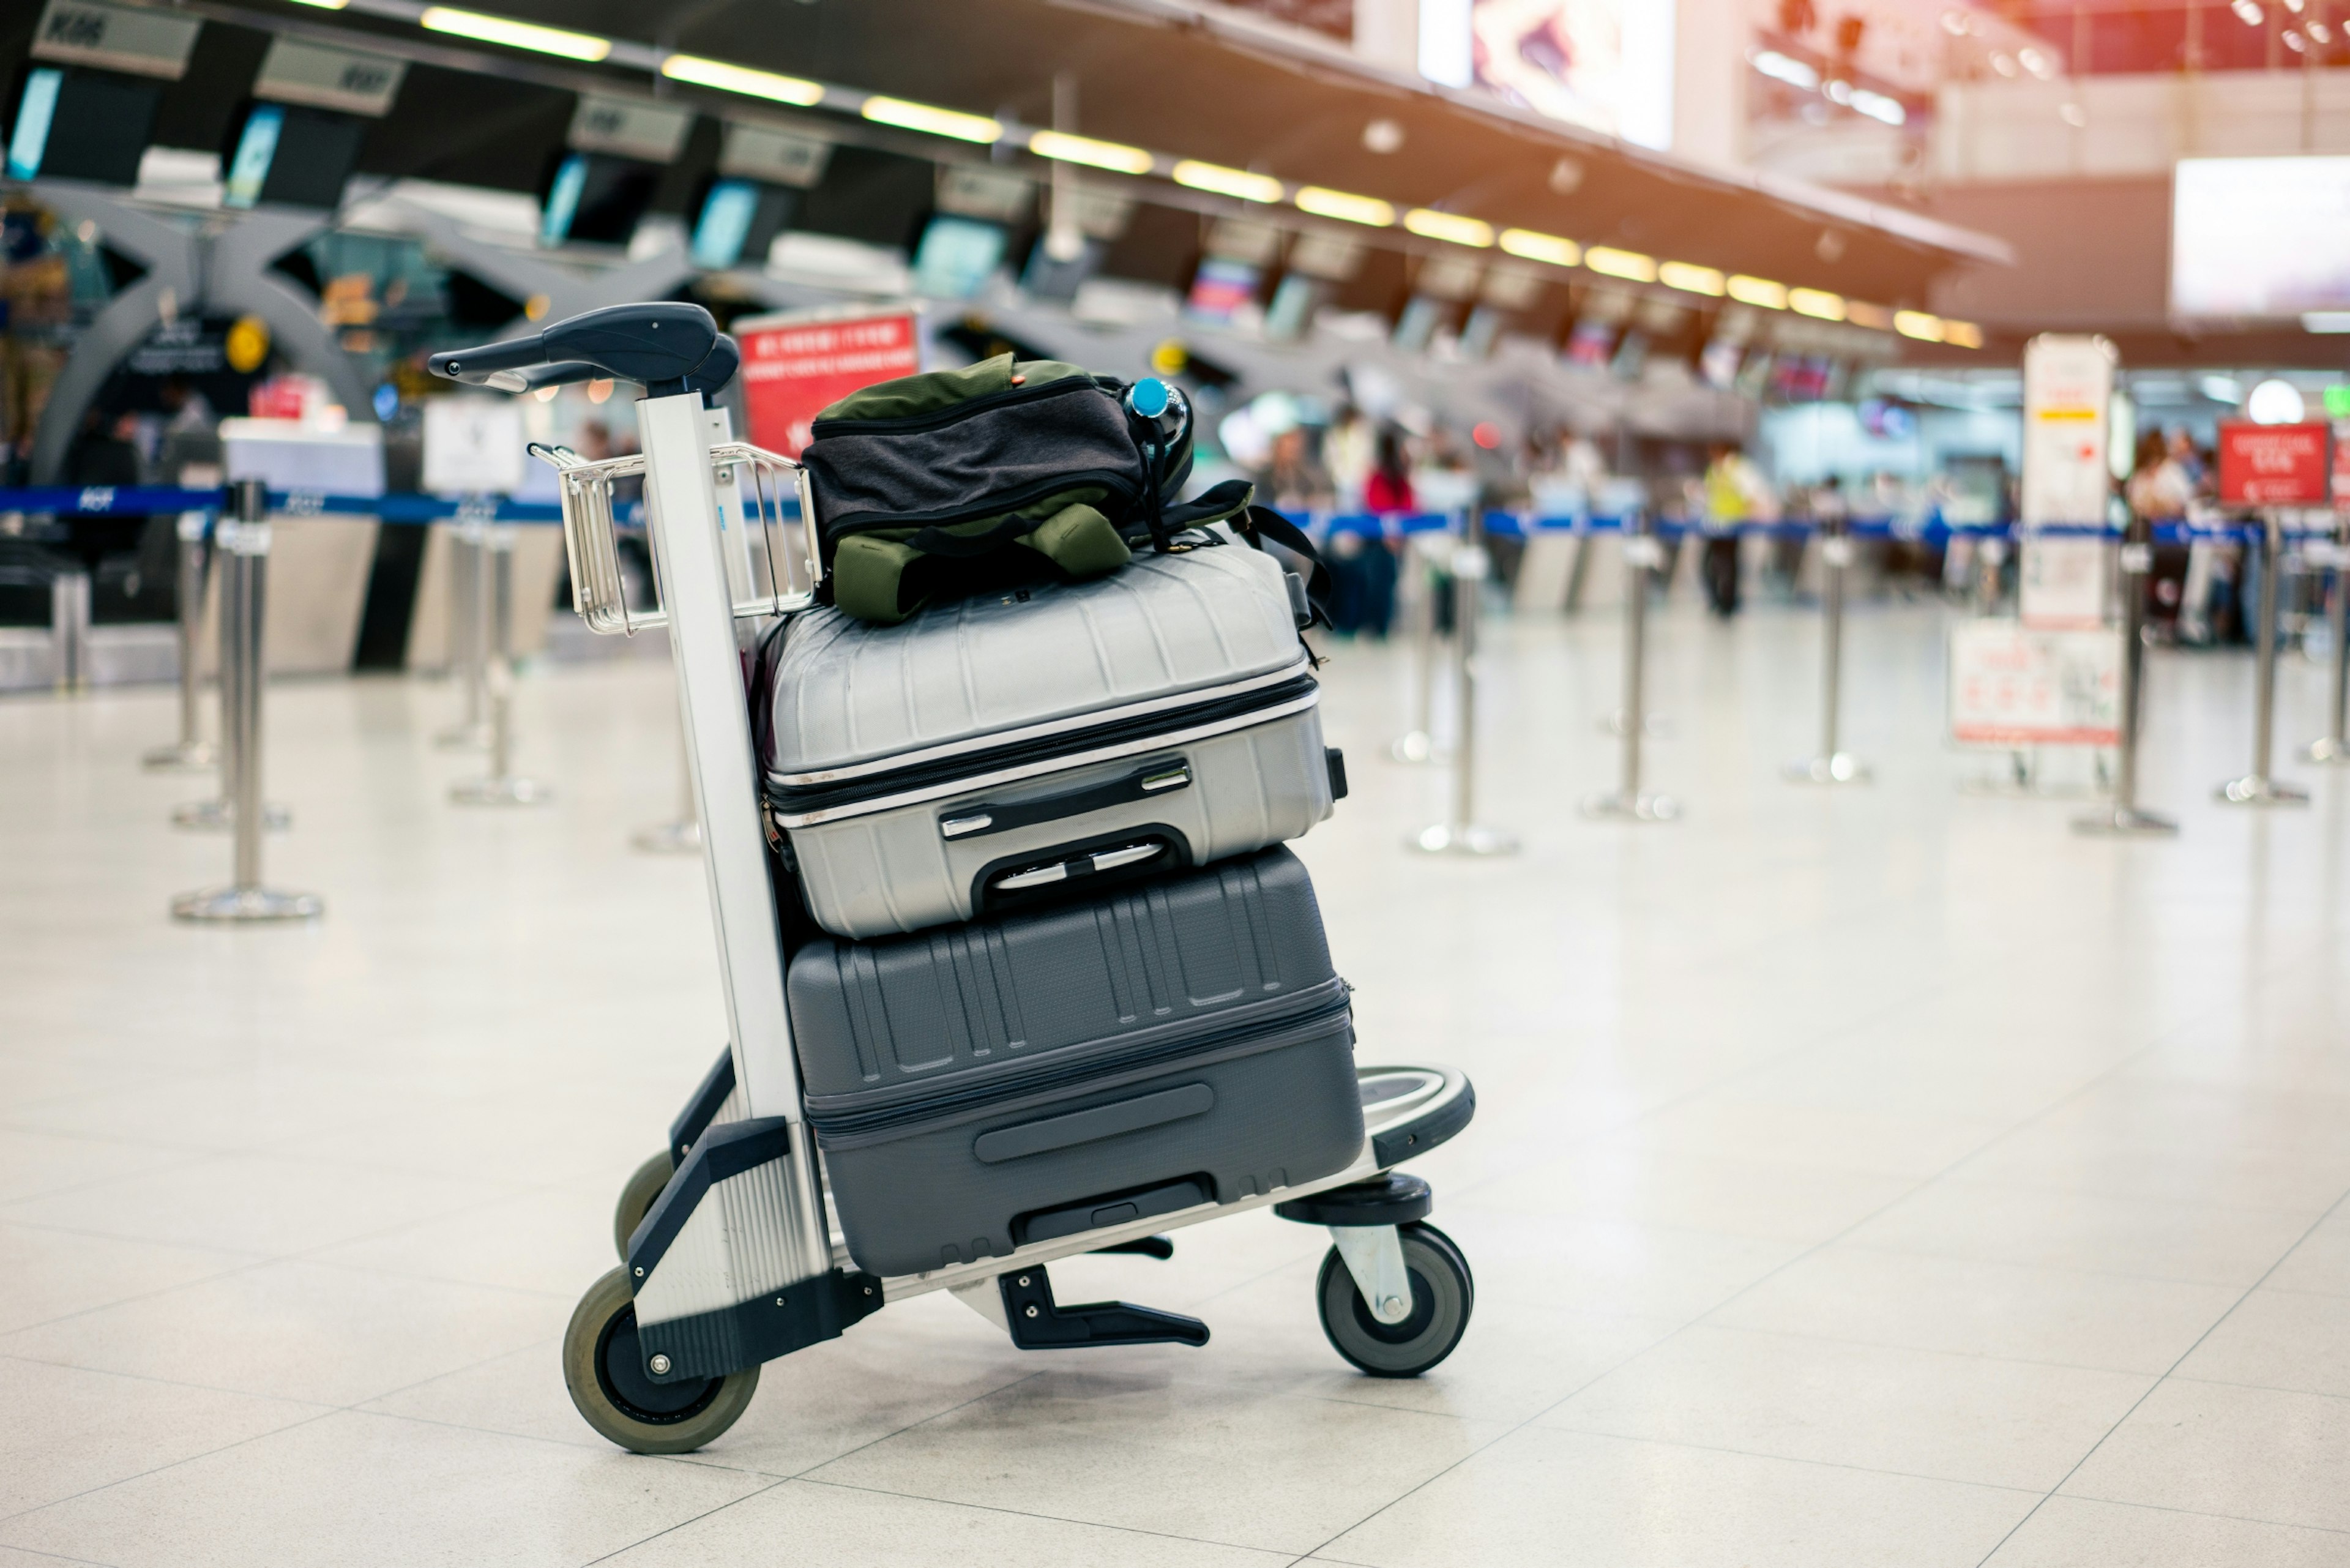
(1037, 1322)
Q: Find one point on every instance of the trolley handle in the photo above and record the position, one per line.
(666, 347)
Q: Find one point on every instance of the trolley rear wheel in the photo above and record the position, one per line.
(638, 1198)
(1443, 1294)
(604, 1369)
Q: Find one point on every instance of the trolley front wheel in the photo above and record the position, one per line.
(1442, 1292)
(638, 1198)
(604, 1369)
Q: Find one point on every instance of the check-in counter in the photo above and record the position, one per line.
(318, 565)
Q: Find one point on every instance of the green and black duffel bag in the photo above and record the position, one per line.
(953, 483)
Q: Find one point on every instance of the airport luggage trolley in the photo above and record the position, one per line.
(729, 1256)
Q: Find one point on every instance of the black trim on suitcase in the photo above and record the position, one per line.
(1083, 871)
(1158, 775)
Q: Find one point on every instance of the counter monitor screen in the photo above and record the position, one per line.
(81, 125)
(956, 255)
(597, 198)
(740, 220)
(292, 157)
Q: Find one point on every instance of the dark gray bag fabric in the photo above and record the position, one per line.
(1042, 1073)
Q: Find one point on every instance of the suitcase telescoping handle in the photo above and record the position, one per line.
(666, 347)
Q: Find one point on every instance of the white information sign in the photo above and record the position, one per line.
(2068, 393)
(2013, 687)
(473, 446)
(2060, 583)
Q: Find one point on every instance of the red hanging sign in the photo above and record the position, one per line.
(2272, 465)
(796, 365)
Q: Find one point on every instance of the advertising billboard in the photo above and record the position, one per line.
(1604, 64)
(2260, 237)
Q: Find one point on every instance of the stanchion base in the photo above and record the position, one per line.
(219, 817)
(1446, 839)
(501, 792)
(2120, 824)
(1416, 748)
(670, 838)
(1616, 804)
(2254, 790)
(464, 738)
(239, 904)
(1843, 768)
(182, 757)
(1653, 725)
(2333, 749)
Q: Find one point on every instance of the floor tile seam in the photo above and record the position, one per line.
(1054, 1518)
(2029, 1491)
(680, 1524)
(387, 1272)
(60, 1556)
(193, 1156)
(807, 1472)
(1845, 1339)
(8, 1519)
(324, 1406)
(2140, 1402)
(2014, 1184)
(1305, 1256)
(2079, 1271)
(248, 1266)
(1312, 1398)
(2259, 1387)
(2202, 1513)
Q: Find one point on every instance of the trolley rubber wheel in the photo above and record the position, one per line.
(604, 1370)
(638, 1198)
(1443, 1294)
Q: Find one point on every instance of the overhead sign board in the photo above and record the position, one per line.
(2272, 465)
(299, 72)
(756, 153)
(629, 127)
(797, 364)
(116, 38)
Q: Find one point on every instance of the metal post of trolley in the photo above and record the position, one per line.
(1642, 555)
(1461, 835)
(244, 547)
(499, 785)
(469, 628)
(1832, 764)
(2121, 817)
(191, 751)
(2257, 788)
(1418, 744)
(2335, 746)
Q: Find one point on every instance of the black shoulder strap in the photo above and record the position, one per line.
(1258, 524)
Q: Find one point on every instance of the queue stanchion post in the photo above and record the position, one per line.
(248, 501)
(1643, 555)
(2333, 746)
(469, 629)
(1832, 764)
(191, 752)
(2257, 788)
(245, 549)
(501, 785)
(1417, 744)
(682, 834)
(1461, 833)
(2121, 817)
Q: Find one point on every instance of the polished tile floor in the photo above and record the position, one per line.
(1876, 1176)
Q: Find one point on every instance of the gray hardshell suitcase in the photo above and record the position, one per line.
(993, 749)
(1051, 1070)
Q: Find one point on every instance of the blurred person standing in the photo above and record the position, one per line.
(2158, 491)
(1732, 489)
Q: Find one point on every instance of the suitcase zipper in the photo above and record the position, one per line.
(1304, 1015)
(828, 797)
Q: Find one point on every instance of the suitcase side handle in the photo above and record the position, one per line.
(1157, 775)
(1113, 1120)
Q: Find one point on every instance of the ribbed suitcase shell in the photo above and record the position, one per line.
(1053, 1063)
(1028, 704)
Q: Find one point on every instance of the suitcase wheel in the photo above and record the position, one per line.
(1442, 1294)
(611, 1391)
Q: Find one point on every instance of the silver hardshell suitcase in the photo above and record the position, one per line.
(989, 750)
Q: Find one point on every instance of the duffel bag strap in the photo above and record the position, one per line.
(1258, 524)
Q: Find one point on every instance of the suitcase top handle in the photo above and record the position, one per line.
(665, 348)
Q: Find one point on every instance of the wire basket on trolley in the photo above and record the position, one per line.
(766, 523)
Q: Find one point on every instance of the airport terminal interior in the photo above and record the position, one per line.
(1592, 751)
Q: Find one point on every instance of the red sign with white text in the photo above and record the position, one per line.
(793, 369)
(2271, 465)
